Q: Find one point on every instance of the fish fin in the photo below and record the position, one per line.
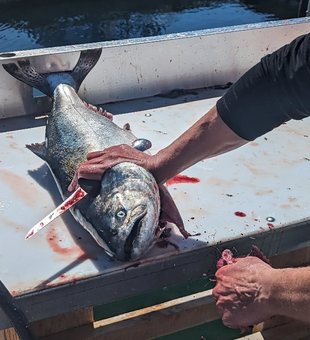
(141, 144)
(39, 149)
(47, 82)
(88, 59)
(28, 75)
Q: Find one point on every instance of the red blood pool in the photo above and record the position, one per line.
(240, 214)
(182, 179)
(270, 225)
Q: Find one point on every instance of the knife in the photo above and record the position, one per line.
(92, 187)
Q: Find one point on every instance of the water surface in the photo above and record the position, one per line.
(32, 24)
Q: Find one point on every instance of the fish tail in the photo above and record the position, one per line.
(47, 82)
(88, 59)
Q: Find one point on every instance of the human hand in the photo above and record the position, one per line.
(243, 292)
(99, 161)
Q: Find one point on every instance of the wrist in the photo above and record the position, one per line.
(156, 167)
(278, 291)
(269, 290)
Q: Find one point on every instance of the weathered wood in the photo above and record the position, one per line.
(291, 331)
(9, 334)
(275, 321)
(149, 323)
(165, 318)
(54, 325)
(255, 336)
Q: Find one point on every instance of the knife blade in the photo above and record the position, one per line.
(67, 204)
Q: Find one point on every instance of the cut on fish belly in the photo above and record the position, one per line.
(123, 218)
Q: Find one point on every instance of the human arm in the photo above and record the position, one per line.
(250, 291)
(272, 92)
(208, 137)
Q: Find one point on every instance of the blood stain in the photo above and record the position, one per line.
(240, 214)
(182, 179)
(53, 242)
(255, 219)
(78, 195)
(20, 187)
(261, 228)
(270, 225)
(30, 235)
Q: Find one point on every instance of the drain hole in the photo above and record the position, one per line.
(7, 55)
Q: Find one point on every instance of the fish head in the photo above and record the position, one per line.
(128, 209)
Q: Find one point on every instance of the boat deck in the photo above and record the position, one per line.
(227, 199)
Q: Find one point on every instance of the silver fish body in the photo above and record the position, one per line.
(123, 218)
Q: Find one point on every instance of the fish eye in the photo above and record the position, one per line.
(121, 214)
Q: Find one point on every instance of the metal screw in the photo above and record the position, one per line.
(148, 115)
(270, 219)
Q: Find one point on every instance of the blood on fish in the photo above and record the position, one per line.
(261, 228)
(240, 214)
(270, 225)
(182, 179)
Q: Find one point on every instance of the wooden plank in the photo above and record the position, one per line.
(291, 331)
(254, 336)
(54, 325)
(275, 321)
(161, 319)
(9, 334)
(149, 323)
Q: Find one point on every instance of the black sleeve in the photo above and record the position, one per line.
(274, 91)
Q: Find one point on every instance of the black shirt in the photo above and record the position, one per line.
(274, 91)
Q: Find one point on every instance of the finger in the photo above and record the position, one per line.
(95, 154)
(91, 171)
(220, 310)
(74, 183)
(228, 321)
(215, 293)
(170, 212)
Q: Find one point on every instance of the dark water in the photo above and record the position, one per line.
(32, 24)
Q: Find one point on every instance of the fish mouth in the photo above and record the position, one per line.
(135, 231)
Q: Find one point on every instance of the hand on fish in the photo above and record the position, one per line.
(242, 291)
(100, 161)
